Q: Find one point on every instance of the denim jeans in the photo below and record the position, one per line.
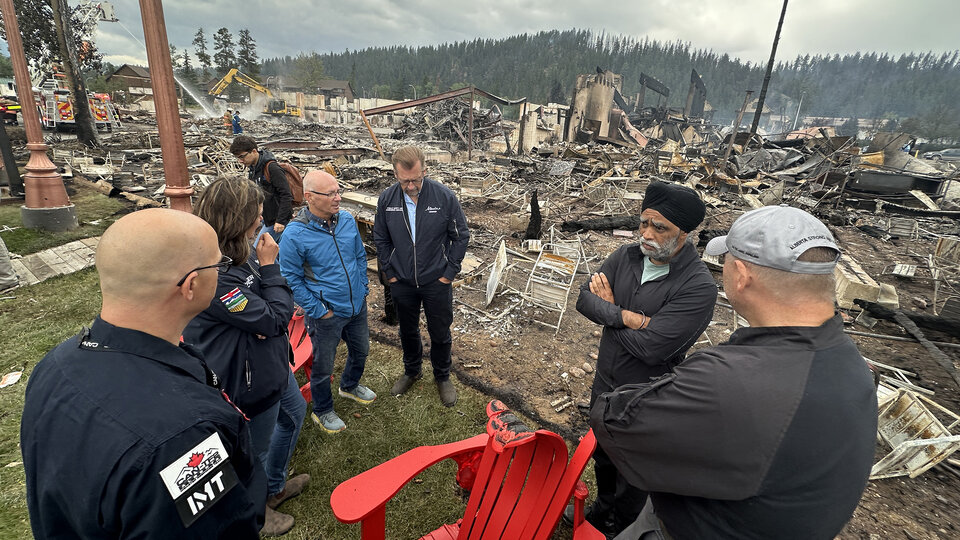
(325, 335)
(292, 410)
(267, 229)
(261, 430)
(437, 301)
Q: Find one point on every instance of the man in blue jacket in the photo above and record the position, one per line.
(325, 264)
(421, 236)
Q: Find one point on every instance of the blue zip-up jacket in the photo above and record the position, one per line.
(442, 235)
(327, 269)
(251, 301)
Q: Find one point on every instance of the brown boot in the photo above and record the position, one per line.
(275, 523)
(293, 488)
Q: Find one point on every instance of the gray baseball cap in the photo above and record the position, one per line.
(774, 236)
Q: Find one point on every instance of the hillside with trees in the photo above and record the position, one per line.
(915, 88)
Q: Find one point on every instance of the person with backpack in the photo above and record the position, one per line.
(271, 176)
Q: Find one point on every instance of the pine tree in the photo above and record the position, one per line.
(556, 93)
(203, 57)
(224, 57)
(247, 53)
(187, 76)
(308, 71)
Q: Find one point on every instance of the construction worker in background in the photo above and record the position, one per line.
(236, 123)
(228, 121)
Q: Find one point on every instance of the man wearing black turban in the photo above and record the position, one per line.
(653, 299)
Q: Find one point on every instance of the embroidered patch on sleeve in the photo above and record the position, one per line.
(199, 478)
(234, 300)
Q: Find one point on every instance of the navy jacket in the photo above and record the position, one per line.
(327, 269)
(251, 301)
(123, 436)
(442, 235)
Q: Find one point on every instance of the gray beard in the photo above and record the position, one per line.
(663, 252)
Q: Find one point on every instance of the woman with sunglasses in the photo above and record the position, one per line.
(242, 335)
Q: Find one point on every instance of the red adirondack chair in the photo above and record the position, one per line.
(302, 351)
(519, 482)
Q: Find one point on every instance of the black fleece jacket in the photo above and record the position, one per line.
(278, 203)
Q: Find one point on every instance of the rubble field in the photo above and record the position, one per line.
(541, 222)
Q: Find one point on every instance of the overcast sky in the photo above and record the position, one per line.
(741, 28)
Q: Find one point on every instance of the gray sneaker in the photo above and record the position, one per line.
(360, 394)
(330, 422)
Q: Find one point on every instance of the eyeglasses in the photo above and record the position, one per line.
(224, 263)
(243, 155)
(404, 182)
(331, 194)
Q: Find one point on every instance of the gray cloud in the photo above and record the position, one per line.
(741, 28)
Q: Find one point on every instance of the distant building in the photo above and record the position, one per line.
(328, 88)
(333, 89)
(134, 79)
(7, 88)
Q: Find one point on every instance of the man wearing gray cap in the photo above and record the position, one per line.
(654, 299)
(771, 434)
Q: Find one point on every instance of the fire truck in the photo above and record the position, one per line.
(56, 107)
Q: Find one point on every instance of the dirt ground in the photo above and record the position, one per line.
(500, 348)
(511, 356)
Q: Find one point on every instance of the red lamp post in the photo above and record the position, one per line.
(165, 102)
(46, 204)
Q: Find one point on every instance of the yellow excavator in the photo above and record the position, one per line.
(274, 107)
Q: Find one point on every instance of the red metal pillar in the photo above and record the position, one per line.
(46, 204)
(165, 102)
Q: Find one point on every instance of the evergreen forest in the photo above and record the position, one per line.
(917, 89)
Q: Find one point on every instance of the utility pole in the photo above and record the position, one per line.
(86, 128)
(766, 78)
(736, 128)
(797, 117)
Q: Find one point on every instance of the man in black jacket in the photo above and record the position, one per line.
(654, 299)
(771, 434)
(278, 201)
(421, 236)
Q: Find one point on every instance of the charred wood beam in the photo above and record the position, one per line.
(601, 224)
(930, 322)
(910, 326)
(441, 97)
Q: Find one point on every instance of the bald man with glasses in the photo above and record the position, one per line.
(125, 432)
(325, 263)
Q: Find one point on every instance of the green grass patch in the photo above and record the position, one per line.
(95, 212)
(36, 320)
(43, 315)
